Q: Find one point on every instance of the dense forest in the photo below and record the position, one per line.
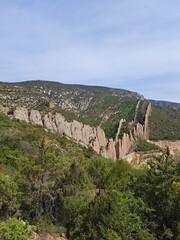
(55, 185)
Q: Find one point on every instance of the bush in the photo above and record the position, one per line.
(14, 229)
(143, 146)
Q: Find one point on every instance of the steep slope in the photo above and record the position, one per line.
(53, 186)
(94, 106)
(88, 136)
(75, 98)
(27, 138)
(164, 123)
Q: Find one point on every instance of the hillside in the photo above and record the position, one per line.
(94, 106)
(51, 185)
(164, 123)
(53, 179)
(161, 103)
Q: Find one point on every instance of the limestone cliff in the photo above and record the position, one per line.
(35, 117)
(146, 124)
(21, 113)
(86, 135)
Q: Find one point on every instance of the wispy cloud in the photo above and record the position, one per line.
(131, 44)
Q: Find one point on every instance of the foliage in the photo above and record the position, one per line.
(155, 187)
(143, 146)
(8, 195)
(164, 123)
(111, 213)
(95, 106)
(56, 184)
(14, 229)
(140, 116)
(103, 115)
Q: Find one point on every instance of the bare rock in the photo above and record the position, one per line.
(63, 126)
(125, 145)
(52, 104)
(4, 110)
(146, 124)
(21, 113)
(49, 122)
(76, 130)
(111, 149)
(59, 121)
(88, 135)
(35, 236)
(101, 137)
(173, 145)
(138, 131)
(49, 237)
(35, 117)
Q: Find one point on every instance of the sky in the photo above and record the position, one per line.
(129, 44)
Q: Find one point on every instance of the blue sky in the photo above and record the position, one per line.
(130, 44)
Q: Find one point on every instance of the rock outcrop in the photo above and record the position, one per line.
(35, 117)
(128, 141)
(4, 110)
(89, 136)
(173, 145)
(47, 236)
(21, 113)
(146, 124)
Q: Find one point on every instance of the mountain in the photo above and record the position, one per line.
(115, 118)
(55, 185)
(96, 106)
(164, 103)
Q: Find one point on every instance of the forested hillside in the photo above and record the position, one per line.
(164, 123)
(58, 186)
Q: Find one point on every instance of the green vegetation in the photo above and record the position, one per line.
(57, 185)
(164, 123)
(127, 110)
(13, 229)
(143, 146)
(141, 112)
(107, 111)
(95, 106)
(101, 113)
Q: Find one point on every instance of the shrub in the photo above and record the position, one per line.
(13, 229)
(143, 146)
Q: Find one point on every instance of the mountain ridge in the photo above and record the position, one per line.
(163, 103)
(123, 144)
(94, 106)
(160, 102)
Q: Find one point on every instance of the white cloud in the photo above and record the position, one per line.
(105, 42)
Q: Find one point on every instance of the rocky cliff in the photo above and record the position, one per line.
(86, 135)
(96, 106)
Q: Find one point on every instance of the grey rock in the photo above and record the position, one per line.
(35, 117)
(21, 113)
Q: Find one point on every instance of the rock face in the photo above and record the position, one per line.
(4, 110)
(35, 117)
(146, 124)
(174, 146)
(35, 236)
(89, 136)
(52, 104)
(126, 144)
(21, 113)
